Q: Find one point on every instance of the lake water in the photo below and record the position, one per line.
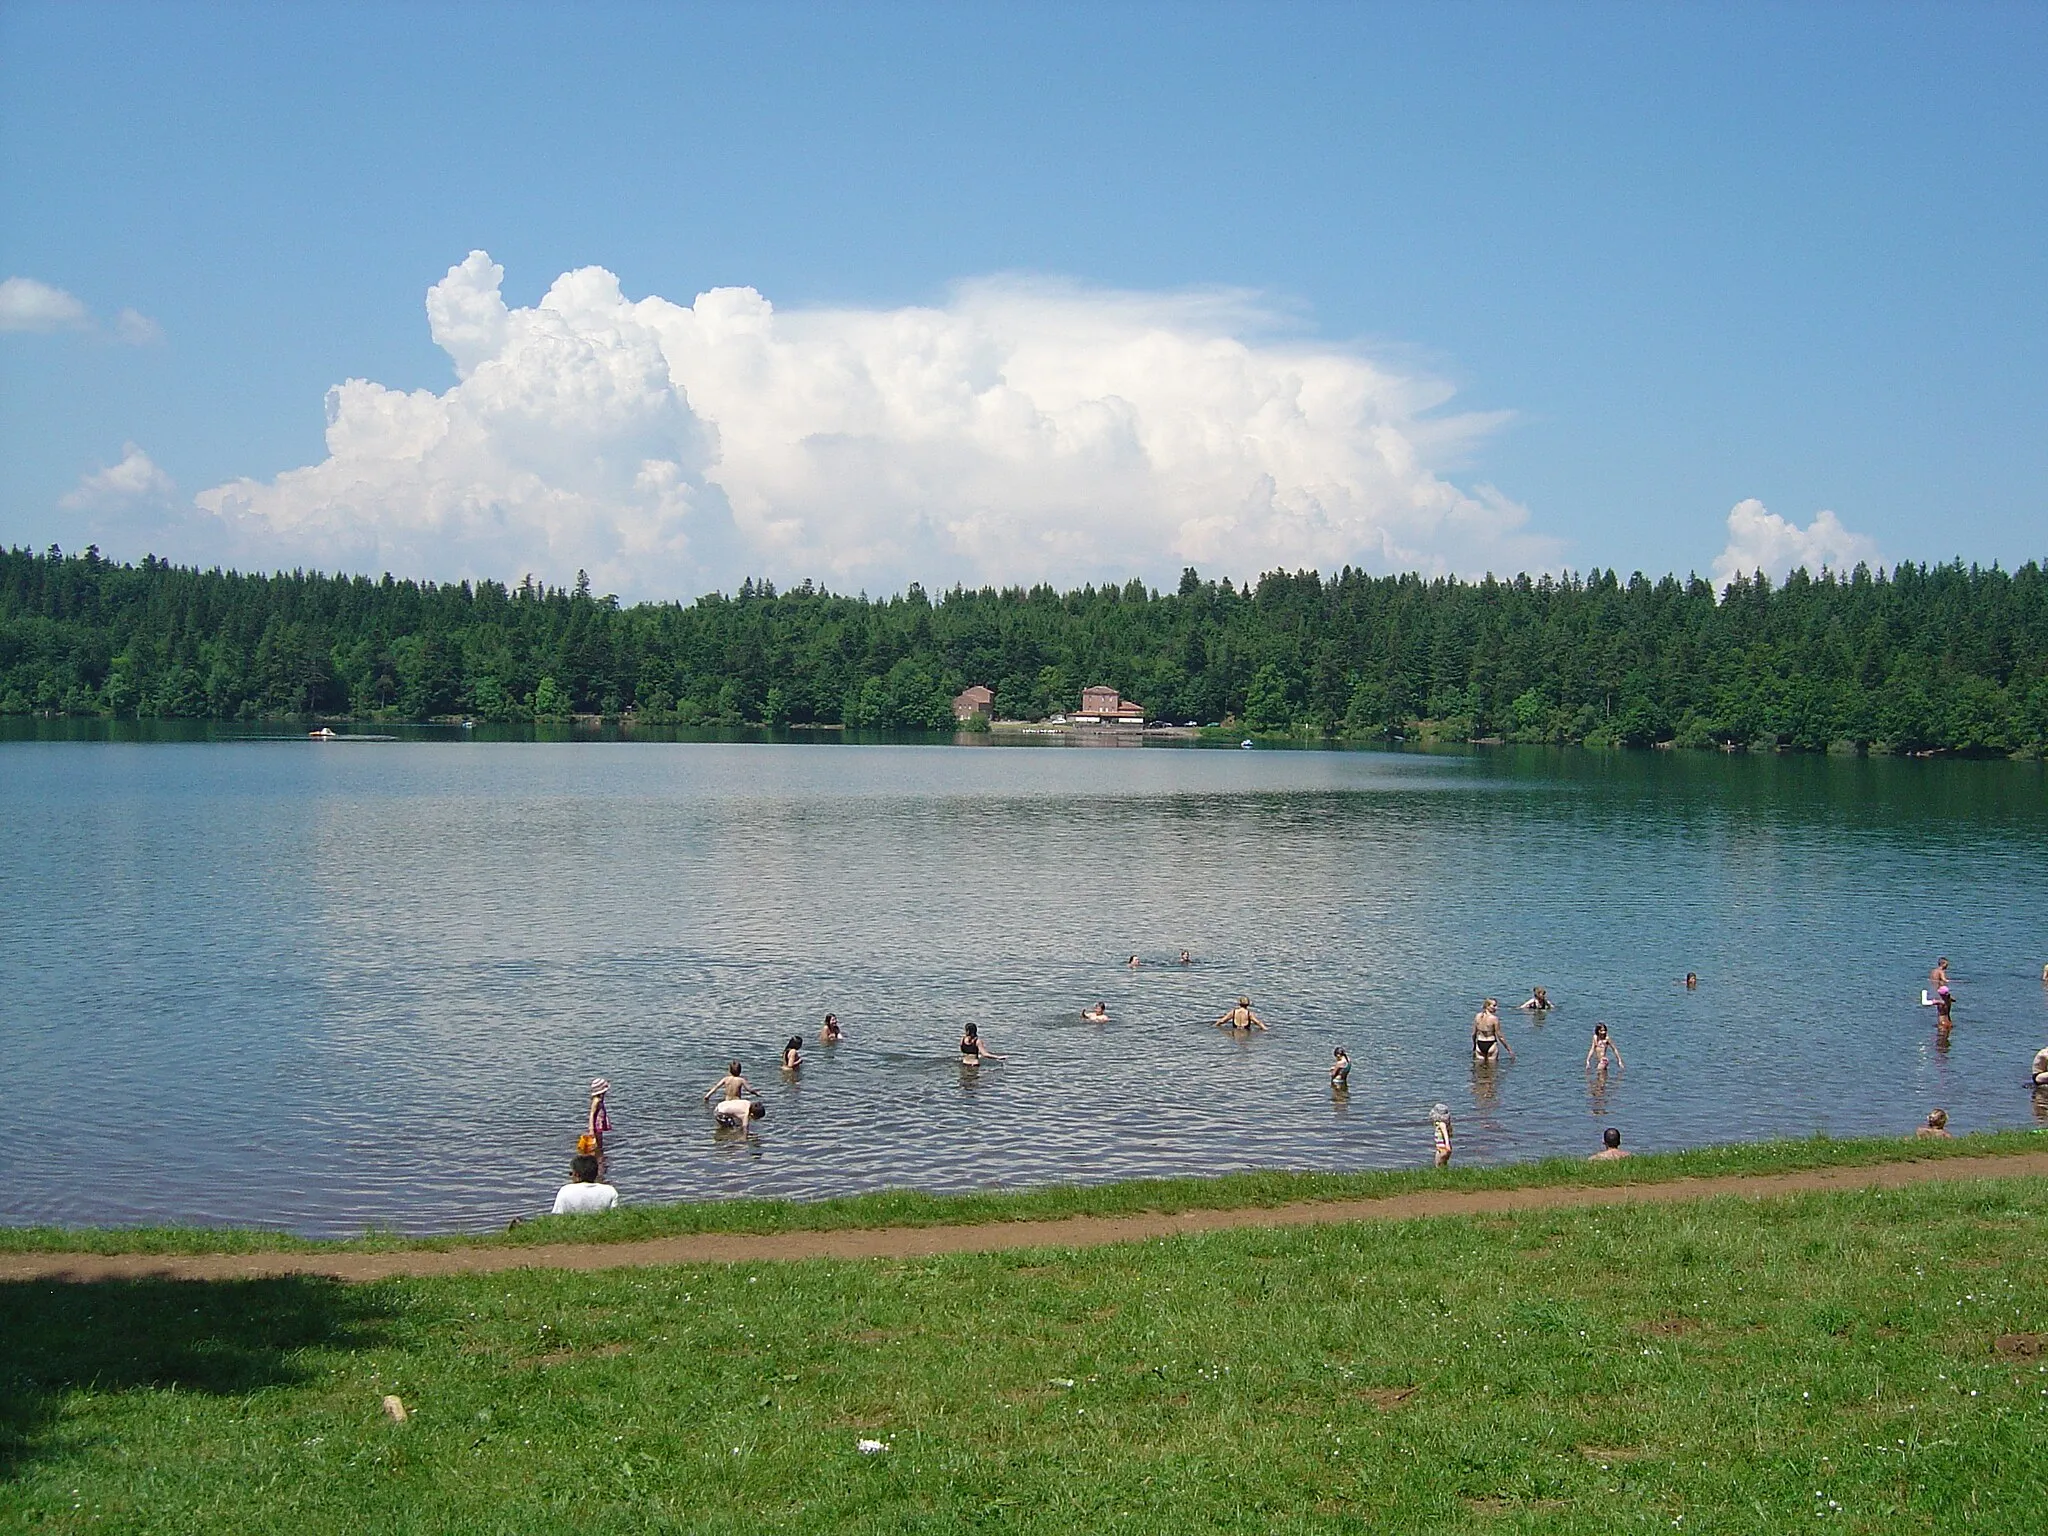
(330, 986)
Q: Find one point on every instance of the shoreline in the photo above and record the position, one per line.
(1054, 1215)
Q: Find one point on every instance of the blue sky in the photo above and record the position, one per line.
(1600, 276)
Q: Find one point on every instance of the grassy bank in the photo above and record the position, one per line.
(1829, 1361)
(910, 1208)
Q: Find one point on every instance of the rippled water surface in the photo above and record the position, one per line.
(331, 986)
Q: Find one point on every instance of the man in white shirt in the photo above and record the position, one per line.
(583, 1195)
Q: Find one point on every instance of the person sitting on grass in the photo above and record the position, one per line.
(1611, 1150)
(583, 1195)
(1936, 1128)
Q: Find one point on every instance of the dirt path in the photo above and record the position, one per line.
(991, 1237)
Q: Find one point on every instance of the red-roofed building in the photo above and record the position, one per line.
(1105, 706)
(975, 701)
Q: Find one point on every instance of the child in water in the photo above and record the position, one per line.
(599, 1124)
(1340, 1071)
(1440, 1119)
(1598, 1052)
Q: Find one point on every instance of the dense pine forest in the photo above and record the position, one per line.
(1917, 658)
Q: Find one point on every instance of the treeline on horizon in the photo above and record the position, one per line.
(1922, 657)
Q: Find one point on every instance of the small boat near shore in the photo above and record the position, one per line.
(328, 733)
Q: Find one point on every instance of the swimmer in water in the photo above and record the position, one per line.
(731, 1086)
(1340, 1070)
(1241, 1018)
(737, 1114)
(1487, 1039)
(1692, 981)
(793, 1053)
(1603, 1045)
(1936, 1128)
(831, 1034)
(1134, 962)
(1539, 1002)
(2040, 1067)
(973, 1051)
(1188, 959)
(1099, 1014)
(1938, 977)
(1440, 1119)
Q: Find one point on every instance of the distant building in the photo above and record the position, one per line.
(975, 701)
(1105, 706)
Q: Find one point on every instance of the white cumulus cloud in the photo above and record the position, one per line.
(119, 486)
(27, 305)
(137, 329)
(1760, 540)
(1022, 430)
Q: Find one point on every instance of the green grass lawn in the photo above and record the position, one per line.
(1823, 1362)
(913, 1208)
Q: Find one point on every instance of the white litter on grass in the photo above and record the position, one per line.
(871, 1447)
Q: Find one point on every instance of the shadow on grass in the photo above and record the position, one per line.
(220, 1337)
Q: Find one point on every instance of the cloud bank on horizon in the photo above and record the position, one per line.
(1025, 430)
(1760, 540)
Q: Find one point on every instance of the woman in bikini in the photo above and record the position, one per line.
(1602, 1047)
(1340, 1071)
(793, 1053)
(1241, 1018)
(1487, 1039)
(831, 1034)
(974, 1050)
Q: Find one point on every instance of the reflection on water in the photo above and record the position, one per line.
(325, 986)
